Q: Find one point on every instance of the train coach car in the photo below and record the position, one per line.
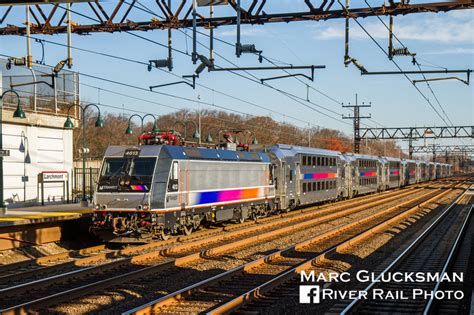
(432, 170)
(424, 171)
(410, 170)
(307, 175)
(444, 170)
(393, 168)
(367, 170)
(152, 191)
(437, 167)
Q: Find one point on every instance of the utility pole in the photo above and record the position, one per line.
(356, 117)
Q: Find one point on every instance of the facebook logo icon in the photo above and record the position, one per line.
(309, 294)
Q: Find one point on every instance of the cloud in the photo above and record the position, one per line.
(453, 27)
(243, 32)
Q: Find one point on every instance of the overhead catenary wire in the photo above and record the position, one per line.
(144, 63)
(157, 103)
(395, 63)
(254, 78)
(287, 94)
(101, 104)
(417, 63)
(419, 68)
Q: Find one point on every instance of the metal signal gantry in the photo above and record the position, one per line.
(50, 18)
(436, 148)
(415, 133)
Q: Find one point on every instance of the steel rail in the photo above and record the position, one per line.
(449, 260)
(44, 260)
(163, 254)
(85, 261)
(253, 294)
(406, 252)
(171, 298)
(165, 264)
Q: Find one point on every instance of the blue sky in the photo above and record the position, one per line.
(444, 39)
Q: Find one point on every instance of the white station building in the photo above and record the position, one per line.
(40, 148)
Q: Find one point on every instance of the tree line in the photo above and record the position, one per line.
(266, 130)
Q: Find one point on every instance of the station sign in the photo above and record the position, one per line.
(4, 153)
(53, 176)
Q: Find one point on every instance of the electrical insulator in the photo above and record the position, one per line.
(19, 61)
(160, 63)
(401, 52)
(248, 48)
(200, 68)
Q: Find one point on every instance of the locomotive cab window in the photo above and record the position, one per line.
(271, 168)
(173, 183)
(114, 167)
(143, 167)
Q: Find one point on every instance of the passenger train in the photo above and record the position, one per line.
(148, 192)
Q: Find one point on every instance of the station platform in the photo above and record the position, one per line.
(42, 214)
(42, 224)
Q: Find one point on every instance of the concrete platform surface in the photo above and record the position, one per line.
(41, 214)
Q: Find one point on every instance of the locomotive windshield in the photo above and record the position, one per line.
(127, 174)
(114, 167)
(142, 167)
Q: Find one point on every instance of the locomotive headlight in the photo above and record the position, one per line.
(145, 206)
(122, 182)
(127, 182)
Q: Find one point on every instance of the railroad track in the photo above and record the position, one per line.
(235, 288)
(64, 287)
(27, 271)
(17, 273)
(433, 251)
